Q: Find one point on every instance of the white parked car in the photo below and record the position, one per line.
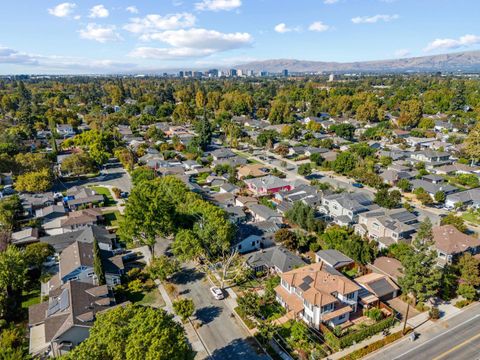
(217, 293)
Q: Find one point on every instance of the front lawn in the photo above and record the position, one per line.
(152, 298)
(472, 217)
(112, 218)
(109, 201)
(30, 298)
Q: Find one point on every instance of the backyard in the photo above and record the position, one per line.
(112, 218)
(109, 201)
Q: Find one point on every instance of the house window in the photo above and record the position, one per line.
(341, 317)
(351, 296)
(375, 226)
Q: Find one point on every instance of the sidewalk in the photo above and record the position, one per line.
(192, 336)
(414, 322)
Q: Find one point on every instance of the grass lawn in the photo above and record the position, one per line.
(112, 218)
(30, 298)
(151, 298)
(471, 217)
(109, 201)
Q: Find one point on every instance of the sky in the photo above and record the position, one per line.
(138, 36)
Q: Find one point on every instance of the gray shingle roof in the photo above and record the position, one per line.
(278, 257)
(334, 258)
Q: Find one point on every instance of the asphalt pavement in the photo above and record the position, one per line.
(222, 333)
(115, 177)
(457, 338)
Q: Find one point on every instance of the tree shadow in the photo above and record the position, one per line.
(239, 349)
(208, 314)
(187, 275)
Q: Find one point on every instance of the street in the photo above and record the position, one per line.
(223, 334)
(456, 338)
(115, 177)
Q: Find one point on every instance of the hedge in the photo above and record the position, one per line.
(348, 340)
(358, 354)
(247, 321)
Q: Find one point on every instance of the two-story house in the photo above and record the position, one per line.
(318, 294)
(451, 244)
(344, 208)
(431, 158)
(387, 227)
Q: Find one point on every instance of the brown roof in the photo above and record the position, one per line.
(451, 241)
(318, 282)
(294, 303)
(82, 217)
(377, 284)
(333, 314)
(254, 170)
(37, 313)
(388, 266)
(76, 255)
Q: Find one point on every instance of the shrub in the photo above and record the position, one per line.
(462, 303)
(117, 192)
(434, 313)
(375, 314)
(247, 321)
(421, 307)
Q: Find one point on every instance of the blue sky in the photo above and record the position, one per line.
(105, 36)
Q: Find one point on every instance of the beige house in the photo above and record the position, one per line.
(387, 227)
(451, 243)
(317, 293)
(251, 170)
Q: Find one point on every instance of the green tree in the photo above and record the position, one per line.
(184, 308)
(345, 131)
(469, 270)
(440, 196)
(10, 211)
(36, 254)
(36, 181)
(249, 303)
(421, 277)
(97, 264)
(305, 169)
(456, 221)
(134, 332)
(467, 291)
(404, 185)
(13, 270)
(344, 163)
(388, 199)
(411, 113)
(163, 267)
(472, 143)
(141, 174)
(78, 164)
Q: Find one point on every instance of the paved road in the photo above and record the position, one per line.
(224, 336)
(116, 177)
(455, 339)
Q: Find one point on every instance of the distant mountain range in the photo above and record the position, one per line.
(462, 62)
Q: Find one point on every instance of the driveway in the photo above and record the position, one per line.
(223, 335)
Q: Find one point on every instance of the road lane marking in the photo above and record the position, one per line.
(457, 347)
(436, 337)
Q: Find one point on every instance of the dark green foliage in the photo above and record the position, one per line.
(304, 216)
(97, 264)
(388, 199)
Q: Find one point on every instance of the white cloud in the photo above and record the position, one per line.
(318, 26)
(154, 22)
(449, 44)
(60, 63)
(374, 19)
(218, 5)
(191, 43)
(99, 11)
(63, 9)
(132, 9)
(100, 33)
(401, 53)
(329, 2)
(282, 28)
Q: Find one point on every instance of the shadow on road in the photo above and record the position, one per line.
(238, 349)
(187, 275)
(208, 314)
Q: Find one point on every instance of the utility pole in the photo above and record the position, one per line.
(406, 318)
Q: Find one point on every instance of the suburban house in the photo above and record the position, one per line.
(252, 171)
(378, 285)
(106, 241)
(25, 236)
(248, 244)
(387, 266)
(33, 202)
(223, 154)
(433, 187)
(318, 293)
(245, 201)
(451, 243)
(64, 321)
(334, 259)
(274, 260)
(457, 169)
(65, 130)
(74, 221)
(76, 263)
(267, 185)
(344, 208)
(431, 158)
(82, 196)
(50, 212)
(387, 227)
(469, 198)
(263, 213)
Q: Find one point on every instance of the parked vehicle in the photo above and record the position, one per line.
(357, 185)
(217, 293)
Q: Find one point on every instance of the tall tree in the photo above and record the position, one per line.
(134, 332)
(97, 264)
(421, 276)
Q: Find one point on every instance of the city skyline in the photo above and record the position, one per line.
(134, 36)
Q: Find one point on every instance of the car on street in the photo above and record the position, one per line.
(357, 185)
(217, 293)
